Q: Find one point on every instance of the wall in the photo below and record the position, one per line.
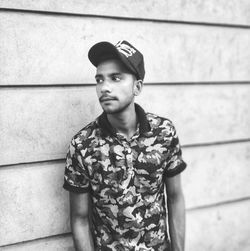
(197, 73)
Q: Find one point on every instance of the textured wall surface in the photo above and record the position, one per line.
(197, 74)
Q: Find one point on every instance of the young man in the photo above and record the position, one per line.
(119, 165)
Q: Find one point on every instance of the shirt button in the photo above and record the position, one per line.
(129, 150)
(129, 157)
(79, 146)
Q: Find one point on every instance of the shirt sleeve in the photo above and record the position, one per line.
(175, 164)
(76, 177)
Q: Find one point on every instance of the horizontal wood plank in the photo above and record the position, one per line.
(35, 205)
(59, 243)
(220, 234)
(220, 228)
(41, 50)
(202, 113)
(213, 11)
(37, 124)
(216, 174)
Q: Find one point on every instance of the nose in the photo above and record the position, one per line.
(105, 87)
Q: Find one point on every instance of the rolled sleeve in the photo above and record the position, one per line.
(175, 163)
(76, 178)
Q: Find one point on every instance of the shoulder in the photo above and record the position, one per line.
(86, 134)
(160, 123)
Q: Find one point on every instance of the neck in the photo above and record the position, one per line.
(124, 122)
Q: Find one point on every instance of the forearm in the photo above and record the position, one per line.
(81, 234)
(176, 220)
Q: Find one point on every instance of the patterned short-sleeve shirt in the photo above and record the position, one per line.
(125, 179)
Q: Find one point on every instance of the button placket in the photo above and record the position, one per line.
(129, 159)
(128, 155)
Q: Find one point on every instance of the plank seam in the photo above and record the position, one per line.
(68, 85)
(216, 143)
(27, 164)
(183, 146)
(38, 239)
(43, 12)
(217, 204)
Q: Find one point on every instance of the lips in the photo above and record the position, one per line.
(106, 98)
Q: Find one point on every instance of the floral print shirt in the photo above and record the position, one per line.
(125, 179)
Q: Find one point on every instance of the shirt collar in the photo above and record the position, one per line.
(107, 128)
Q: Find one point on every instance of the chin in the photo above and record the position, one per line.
(111, 110)
(114, 109)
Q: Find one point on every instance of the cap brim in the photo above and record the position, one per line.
(105, 49)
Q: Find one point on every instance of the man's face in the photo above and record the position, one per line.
(114, 86)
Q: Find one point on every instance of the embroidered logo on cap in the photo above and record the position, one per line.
(125, 49)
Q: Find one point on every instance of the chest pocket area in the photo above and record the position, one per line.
(148, 177)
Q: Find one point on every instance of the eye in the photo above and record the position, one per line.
(99, 80)
(116, 78)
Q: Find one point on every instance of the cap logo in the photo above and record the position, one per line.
(125, 49)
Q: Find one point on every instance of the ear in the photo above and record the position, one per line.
(138, 84)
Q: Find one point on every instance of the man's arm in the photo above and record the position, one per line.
(176, 213)
(79, 216)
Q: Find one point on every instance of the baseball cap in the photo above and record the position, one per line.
(124, 51)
